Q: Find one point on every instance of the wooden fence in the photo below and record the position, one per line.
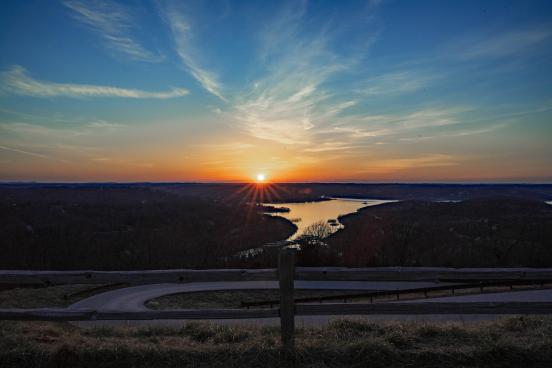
(373, 295)
(47, 278)
(286, 273)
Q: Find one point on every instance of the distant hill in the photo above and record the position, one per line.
(298, 192)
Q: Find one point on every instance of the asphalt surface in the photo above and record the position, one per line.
(134, 299)
(542, 295)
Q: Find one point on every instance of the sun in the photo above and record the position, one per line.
(261, 178)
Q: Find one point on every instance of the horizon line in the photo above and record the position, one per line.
(17, 182)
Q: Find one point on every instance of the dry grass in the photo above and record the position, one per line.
(234, 298)
(65, 295)
(513, 342)
(457, 292)
(52, 296)
(231, 298)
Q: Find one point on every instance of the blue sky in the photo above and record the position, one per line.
(300, 91)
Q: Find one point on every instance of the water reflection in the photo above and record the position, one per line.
(307, 213)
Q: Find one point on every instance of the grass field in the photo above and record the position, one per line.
(513, 342)
(65, 295)
(234, 298)
(510, 342)
(53, 296)
(231, 298)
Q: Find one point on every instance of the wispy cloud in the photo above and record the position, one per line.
(281, 29)
(41, 131)
(234, 146)
(182, 36)
(284, 107)
(432, 160)
(461, 133)
(290, 99)
(330, 146)
(355, 132)
(17, 81)
(29, 153)
(61, 143)
(113, 22)
(367, 126)
(428, 118)
(395, 83)
(411, 163)
(507, 44)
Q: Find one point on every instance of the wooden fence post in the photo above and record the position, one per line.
(286, 273)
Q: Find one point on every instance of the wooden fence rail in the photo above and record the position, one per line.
(61, 314)
(424, 290)
(442, 274)
(425, 308)
(19, 277)
(285, 274)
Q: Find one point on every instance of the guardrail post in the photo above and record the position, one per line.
(286, 273)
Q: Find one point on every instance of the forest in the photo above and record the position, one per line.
(141, 226)
(125, 228)
(485, 232)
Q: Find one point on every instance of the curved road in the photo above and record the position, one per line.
(134, 299)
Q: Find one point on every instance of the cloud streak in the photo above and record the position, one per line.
(290, 100)
(373, 126)
(395, 83)
(29, 153)
(431, 160)
(17, 81)
(113, 23)
(181, 33)
(462, 133)
(507, 44)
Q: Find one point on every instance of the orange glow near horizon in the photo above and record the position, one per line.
(265, 165)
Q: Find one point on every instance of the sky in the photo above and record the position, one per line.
(333, 91)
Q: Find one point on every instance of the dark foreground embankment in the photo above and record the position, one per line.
(514, 342)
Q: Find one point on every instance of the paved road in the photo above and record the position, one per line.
(134, 298)
(543, 295)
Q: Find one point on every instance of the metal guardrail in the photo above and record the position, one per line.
(377, 294)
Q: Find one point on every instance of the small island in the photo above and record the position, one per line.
(272, 209)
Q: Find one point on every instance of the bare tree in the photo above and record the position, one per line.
(319, 230)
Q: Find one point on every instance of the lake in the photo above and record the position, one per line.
(305, 214)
